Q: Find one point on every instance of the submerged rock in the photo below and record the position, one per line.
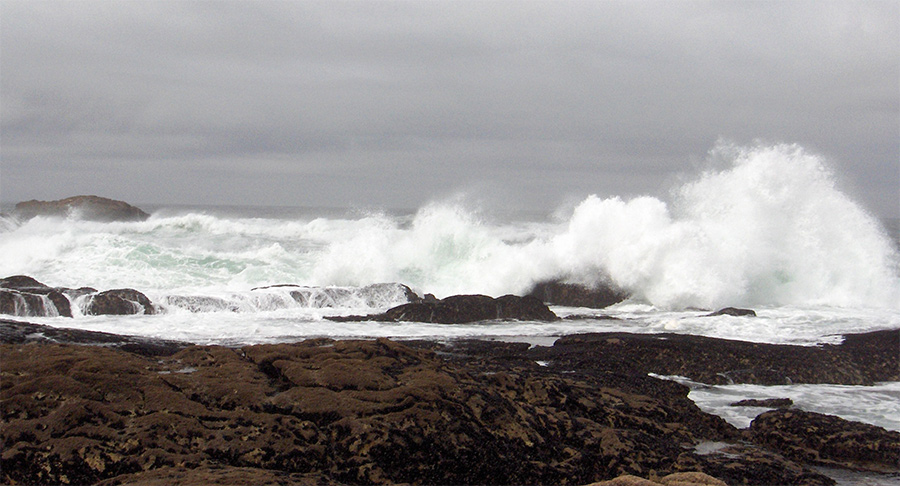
(84, 207)
(826, 440)
(576, 295)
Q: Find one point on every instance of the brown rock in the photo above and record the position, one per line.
(626, 480)
(691, 478)
(119, 302)
(372, 412)
(21, 295)
(828, 441)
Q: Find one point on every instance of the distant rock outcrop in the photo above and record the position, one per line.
(576, 295)
(93, 208)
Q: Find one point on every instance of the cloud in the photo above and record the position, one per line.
(433, 94)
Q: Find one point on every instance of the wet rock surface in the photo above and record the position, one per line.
(462, 309)
(862, 359)
(828, 441)
(765, 402)
(355, 412)
(575, 295)
(24, 296)
(119, 302)
(84, 207)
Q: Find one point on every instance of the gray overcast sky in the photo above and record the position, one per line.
(393, 104)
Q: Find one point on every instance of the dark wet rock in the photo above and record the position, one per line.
(21, 295)
(766, 402)
(119, 302)
(741, 463)
(21, 282)
(861, 360)
(17, 332)
(576, 295)
(827, 440)
(363, 412)
(733, 311)
(84, 207)
(460, 309)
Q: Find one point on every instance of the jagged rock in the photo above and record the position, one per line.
(576, 295)
(826, 440)
(350, 412)
(733, 311)
(767, 402)
(85, 207)
(460, 309)
(119, 302)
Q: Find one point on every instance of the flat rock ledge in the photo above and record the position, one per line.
(367, 412)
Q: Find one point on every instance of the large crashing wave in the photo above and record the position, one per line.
(768, 227)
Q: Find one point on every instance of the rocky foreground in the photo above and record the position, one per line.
(119, 410)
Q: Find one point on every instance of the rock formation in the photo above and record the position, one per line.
(733, 311)
(576, 295)
(351, 412)
(24, 296)
(826, 440)
(21, 295)
(461, 309)
(83, 207)
(119, 302)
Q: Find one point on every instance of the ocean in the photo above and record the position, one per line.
(767, 229)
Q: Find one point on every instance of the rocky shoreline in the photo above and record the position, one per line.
(82, 407)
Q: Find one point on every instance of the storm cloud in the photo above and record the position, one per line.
(396, 103)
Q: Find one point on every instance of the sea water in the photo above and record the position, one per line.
(764, 227)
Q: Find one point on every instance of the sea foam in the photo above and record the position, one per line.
(767, 227)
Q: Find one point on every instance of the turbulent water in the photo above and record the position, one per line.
(766, 229)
